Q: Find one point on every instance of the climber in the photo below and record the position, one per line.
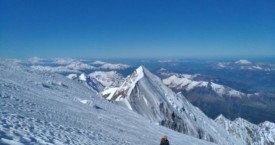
(164, 140)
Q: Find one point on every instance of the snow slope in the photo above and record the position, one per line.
(108, 79)
(186, 83)
(262, 134)
(87, 81)
(145, 94)
(43, 108)
(71, 66)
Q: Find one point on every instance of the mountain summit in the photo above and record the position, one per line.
(44, 108)
(144, 93)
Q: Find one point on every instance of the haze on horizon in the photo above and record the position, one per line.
(132, 29)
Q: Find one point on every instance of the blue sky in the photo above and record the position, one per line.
(137, 28)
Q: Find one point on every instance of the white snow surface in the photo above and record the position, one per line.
(262, 134)
(186, 83)
(72, 76)
(71, 66)
(111, 66)
(119, 93)
(145, 94)
(99, 62)
(87, 81)
(82, 77)
(43, 108)
(114, 66)
(56, 69)
(108, 78)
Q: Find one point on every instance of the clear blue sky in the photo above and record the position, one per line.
(137, 28)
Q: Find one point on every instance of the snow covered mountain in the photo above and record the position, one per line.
(183, 83)
(88, 81)
(72, 66)
(145, 94)
(244, 64)
(111, 66)
(215, 99)
(108, 79)
(43, 108)
(262, 134)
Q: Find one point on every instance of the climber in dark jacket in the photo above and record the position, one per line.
(164, 141)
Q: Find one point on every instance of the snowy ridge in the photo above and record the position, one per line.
(72, 67)
(145, 94)
(185, 83)
(87, 81)
(57, 69)
(262, 134)
(108, 79)
(43, 108)
(119, 93)
(63, 61)
(111, 66)
(115, 66)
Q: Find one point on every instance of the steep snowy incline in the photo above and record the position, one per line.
(145, 94)
(43, 108)
(262, 134)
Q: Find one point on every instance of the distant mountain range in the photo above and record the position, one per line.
(215, 99)
(161, 100)
(238, 88)
(145, 94)
(38, 107)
